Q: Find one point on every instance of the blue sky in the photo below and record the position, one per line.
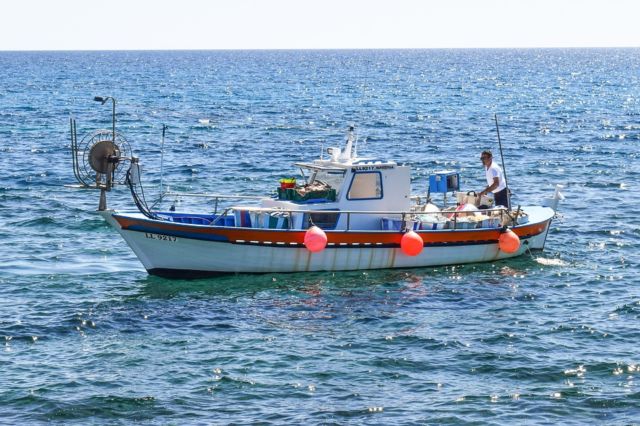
(288, 24)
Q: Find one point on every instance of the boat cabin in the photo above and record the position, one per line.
(344, 182)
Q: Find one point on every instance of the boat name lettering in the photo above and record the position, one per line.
(372, 167)
(160, 237)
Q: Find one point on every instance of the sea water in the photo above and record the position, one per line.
(89, 338)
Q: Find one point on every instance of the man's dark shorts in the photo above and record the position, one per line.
(501, 198)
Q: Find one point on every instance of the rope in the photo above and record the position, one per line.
(139, 199)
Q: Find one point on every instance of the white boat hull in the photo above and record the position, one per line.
(165, 254)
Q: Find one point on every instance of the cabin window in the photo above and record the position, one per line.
(333, 178)
(365, 186)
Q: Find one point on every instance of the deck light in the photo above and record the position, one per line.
(103, 100)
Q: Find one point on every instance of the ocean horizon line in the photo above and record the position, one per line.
(328, 49)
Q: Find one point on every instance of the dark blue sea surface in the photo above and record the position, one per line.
(89, 338)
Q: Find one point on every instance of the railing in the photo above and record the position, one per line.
(215, 197)
(450, 215)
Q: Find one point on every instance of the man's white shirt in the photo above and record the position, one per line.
(494, 171)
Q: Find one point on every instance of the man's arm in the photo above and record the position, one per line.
(488, 189)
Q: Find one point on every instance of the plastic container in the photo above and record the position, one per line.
(461, 224)
(268, 220)
(466, 225)
(492, 222)
(444, 181)
(286, 183)
(390, 224)
(242, 219)
(432, 226)
(318, 196)
(276, 221)
(431, 222)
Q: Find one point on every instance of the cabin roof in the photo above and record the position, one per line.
(328, 166)
(361, 163)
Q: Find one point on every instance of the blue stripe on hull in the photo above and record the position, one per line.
(181, 234)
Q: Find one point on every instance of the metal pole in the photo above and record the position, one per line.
(102, 204)
(111, 172)
(164, 127)
(114, 119)
(504, 170)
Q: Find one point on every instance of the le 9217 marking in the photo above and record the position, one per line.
(160, 237)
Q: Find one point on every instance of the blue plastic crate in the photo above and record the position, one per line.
(444, 181)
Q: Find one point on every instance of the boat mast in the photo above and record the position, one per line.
(504, 170)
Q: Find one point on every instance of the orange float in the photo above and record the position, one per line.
(315, 239)
(509, 241)
(411, 243)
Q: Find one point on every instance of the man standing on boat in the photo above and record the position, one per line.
(495, 180)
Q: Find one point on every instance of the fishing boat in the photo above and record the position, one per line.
(344, 212)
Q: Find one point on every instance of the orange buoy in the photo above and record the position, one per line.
(411, 243)
(509, 241)
(315, 239)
